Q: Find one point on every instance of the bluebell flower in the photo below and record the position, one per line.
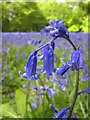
(53, 108)
(23, 55)
(31, 66)
(36, 88)
(1, 66)
(63, 88)
(63, 82)
(36, 42)
(49, 90)
(61, 114)
(43, 30)
(65, 67)
(45, 57)
(48, 60)
(60, 23)
(48, 28)
(32, 105)
(58, 85)
(53, 44)
(31, 41)
(84, 78)
(55, 78)
(85, 70)
(75, 59)
(44, 87)
(39, 41)
(52, 23)
(25, 86)
(56, 23)
(3, 83)
(87, 90)
(17, 55)
(12, 95)
(82, 61)
(5, 62)
(54, 33)
(4, 51)
(3, 75)
(35, 103)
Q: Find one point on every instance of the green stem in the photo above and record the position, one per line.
(27, 96)
(75, 94)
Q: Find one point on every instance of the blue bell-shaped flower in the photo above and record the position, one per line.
(48, 60)
(75, 58)
(31, 67)
(64, 68)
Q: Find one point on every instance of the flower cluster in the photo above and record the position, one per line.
(56, 28)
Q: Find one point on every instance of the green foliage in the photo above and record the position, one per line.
(21, 16)
(32, 16)
(8, 111)
(20, 99)
(84, 25)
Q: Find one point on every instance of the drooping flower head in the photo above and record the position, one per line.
(75, 59)
(64, 68)
(48, 60)
(31, 67)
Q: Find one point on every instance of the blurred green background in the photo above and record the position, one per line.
(32, 16)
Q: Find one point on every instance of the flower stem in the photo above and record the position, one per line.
(42, 46)
(27, 96)
(75, 94)
(70, 41)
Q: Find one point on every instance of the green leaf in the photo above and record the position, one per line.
(82, 108)
(8, 111)
(20, 98)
